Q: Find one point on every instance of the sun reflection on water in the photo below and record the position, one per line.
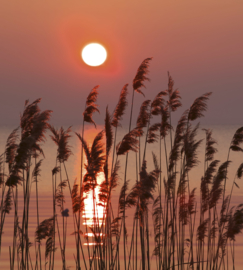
(94, 214)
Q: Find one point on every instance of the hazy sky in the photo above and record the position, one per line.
(199, 42)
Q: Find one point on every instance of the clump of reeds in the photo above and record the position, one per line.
(187, 234)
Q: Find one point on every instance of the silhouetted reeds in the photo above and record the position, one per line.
(187, 233)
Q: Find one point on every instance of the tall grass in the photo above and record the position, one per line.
(187, 233)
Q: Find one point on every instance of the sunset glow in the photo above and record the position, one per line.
(94, 54)
(121, 142)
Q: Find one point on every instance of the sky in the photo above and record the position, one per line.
(199, 42)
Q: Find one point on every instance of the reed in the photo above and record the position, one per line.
(191, 229)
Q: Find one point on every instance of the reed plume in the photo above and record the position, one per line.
(122, 198)
(237, 140)
(190, 148)
(157, 215)
(46, 230)
(59, 195)
(210, 149)
(120, 107)
(11, 148)
(90, 106)
(158, 102)
(205, 181)
(141, 76)
(198, 107)
(114, 176)
(61, 139)
(235, 224)
(142, 192)
(202, 230)
(174, 95)
(128, 143)
(165, 125)
(217, 188)
(77, 199)
(143, 117)
(152, 136)
(37, 170)
(175, 153)
(33, 127)
(95, 160)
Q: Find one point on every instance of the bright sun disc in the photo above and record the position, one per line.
(94, 54)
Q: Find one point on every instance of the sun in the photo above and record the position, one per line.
(94, 54)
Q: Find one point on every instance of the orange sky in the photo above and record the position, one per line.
(199, 42)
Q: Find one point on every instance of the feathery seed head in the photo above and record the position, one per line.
(141, 76)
